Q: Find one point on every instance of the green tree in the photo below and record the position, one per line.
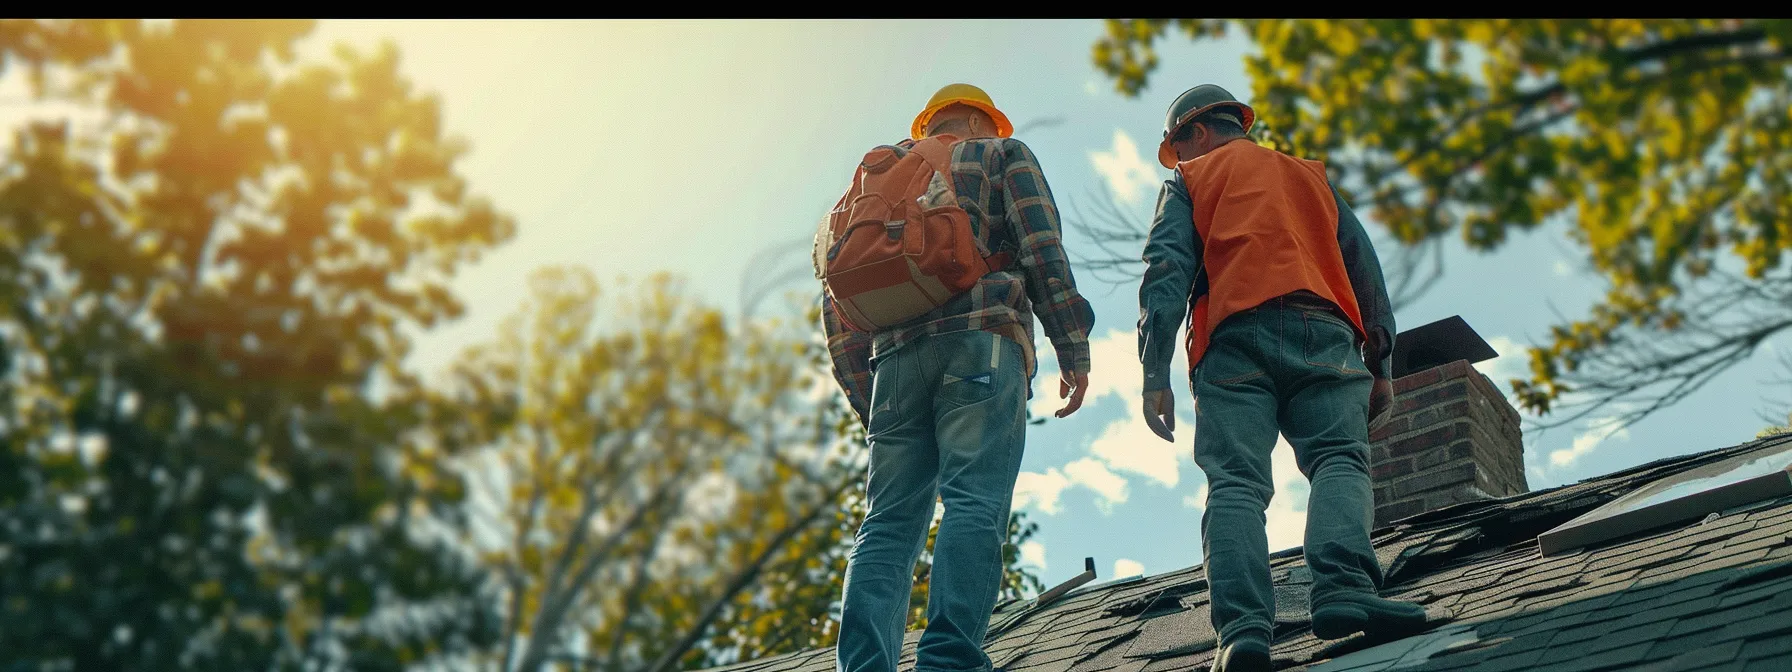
(657, 487)
(643, 468)
(209, 254)
(1665, 144)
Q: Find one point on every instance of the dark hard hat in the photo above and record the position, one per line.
(1193, 103)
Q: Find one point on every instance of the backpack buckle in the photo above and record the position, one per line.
(894, 228)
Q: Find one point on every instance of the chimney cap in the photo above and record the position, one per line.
(1437, 344)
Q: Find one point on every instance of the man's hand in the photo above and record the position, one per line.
(1381, 396)
(1160, 413)
(1072, 386)
(1381, 400)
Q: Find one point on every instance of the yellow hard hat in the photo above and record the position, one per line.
(964, 94)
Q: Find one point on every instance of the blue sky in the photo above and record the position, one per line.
(638, 146)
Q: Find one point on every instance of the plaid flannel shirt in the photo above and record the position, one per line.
(998, 181)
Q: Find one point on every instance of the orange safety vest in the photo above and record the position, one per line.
(1269, 227)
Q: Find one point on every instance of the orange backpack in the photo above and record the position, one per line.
(897, 245)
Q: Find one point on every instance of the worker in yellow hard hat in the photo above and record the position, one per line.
(945, 407)
(961, 94)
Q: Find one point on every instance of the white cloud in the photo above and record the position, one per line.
(1125, 445)
(1045, 400)
(1092, 474)
(1125, 567)
(1040, 491)
(1043, 491)
(1130, 177)
(1197, 500)
(1114, 365)
(1114, 369)
(1287, 515)
(1583, 444)
(1045, 403)
(1598, 431)
(1511, 362)
(1128, 444)
(1033, 553)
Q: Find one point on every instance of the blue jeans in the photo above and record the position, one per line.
(1294, 367)
(948, 419)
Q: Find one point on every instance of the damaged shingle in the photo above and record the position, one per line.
(1164, 601)
(1712, 591)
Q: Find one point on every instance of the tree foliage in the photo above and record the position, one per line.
(1665, 145)
(211, 257)
(651, 479)
(657, 488)
(205, 264)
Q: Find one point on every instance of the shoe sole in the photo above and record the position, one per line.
(1340, 621)
(1248, 661)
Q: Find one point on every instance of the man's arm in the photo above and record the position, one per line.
(851, 353)
(1364, 269)
(1033, 217)
(1172, 258)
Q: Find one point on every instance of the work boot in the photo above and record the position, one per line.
(1370, 614)
(1247, 654)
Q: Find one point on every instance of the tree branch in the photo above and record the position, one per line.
(537, 492)
(1610, 380)
(785, 634)
(631, 599)
(1626, 59)
(554, 603)
(745, 577)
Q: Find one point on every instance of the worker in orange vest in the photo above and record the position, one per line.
(1287, 296)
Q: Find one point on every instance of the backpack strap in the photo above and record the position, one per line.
(938, 152)
(937, 149)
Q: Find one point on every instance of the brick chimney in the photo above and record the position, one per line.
(1452, 436)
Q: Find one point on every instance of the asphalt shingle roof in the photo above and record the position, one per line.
(1714, 594)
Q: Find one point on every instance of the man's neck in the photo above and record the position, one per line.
(1226, 141)
(960, 130)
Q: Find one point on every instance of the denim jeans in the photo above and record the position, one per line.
(948, 419)
(1292, 366)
